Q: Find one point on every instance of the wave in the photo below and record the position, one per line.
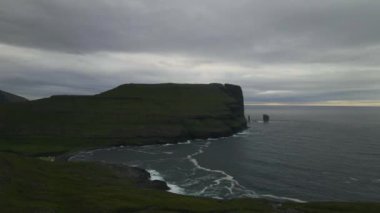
(186, 142)
(179, 143)
(212, 139)
(228, 182)
(280, 198)
(176, 189)
(233, 187)
(202, 181)
(155, 175)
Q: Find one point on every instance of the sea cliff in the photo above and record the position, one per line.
(131, 114)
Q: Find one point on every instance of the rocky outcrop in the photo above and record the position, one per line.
(140, 177)
(266, 118)
(6, 97)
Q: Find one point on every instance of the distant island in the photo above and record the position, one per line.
(35, 133)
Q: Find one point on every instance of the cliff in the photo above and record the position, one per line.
(6, 97)
(131, 114)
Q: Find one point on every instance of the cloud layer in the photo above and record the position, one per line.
(292, 51)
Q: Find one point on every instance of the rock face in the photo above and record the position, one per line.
(131, 114)
(6, 97)
(266, 118)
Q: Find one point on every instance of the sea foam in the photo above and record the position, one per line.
(155, 175)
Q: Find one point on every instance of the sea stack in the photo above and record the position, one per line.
(266, 118)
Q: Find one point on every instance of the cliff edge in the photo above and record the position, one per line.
(131, 114)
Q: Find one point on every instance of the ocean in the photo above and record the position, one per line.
(303, 154)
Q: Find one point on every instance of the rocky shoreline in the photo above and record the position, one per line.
(141, 177)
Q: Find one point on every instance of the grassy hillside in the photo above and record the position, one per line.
(33, 185)
(6, 97)
(129, 114)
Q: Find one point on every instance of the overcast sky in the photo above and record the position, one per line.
(279, 51)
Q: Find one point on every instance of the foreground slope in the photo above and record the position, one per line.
(6, 97)
(33, 185)
(132, 114)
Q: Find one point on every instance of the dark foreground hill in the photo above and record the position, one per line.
(132, 114)
(6, 97)
(33, 185)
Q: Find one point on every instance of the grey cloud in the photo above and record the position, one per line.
(256, 30)
(282, 50)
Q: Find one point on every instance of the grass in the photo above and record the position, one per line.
(33, 185)
(334, 207)
(127, 115)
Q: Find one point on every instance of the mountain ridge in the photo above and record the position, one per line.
(6, 97)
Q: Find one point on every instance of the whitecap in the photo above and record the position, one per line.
(212, 139)
(245, 132)
(155, 175)
(229, 183)
(186, 142)
(218, 198)
(176, 189)
(282, 198)
(353, 179)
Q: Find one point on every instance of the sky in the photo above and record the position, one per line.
(296, 52)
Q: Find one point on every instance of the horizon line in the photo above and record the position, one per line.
(362, 103)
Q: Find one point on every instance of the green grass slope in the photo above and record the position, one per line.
(33, 185)
(132, 114)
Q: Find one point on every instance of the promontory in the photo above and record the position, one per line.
(130, 114)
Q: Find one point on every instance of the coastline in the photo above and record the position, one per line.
(58, 183)
(175, 189)
(150, 178)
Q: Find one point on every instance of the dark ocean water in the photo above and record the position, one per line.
(304, 154)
